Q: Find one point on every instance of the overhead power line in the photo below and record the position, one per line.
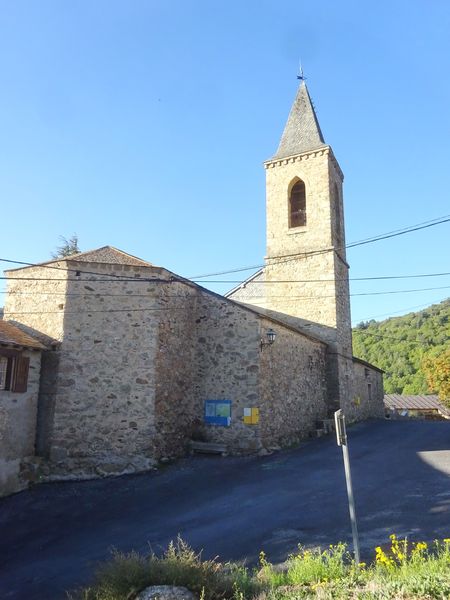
(376, 238)
(387, 292)
(382, 236)
(262, 282)
(380, 277)
(194, 299)
(390, 337)
(402, 231)
(134, 310)
(395, 312)
(87, 281)
(94, 294)
(68, 269)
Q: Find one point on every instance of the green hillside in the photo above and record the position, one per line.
(399, 344)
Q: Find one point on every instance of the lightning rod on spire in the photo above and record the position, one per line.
(300, 75)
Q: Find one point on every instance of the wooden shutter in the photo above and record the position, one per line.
(20, 376)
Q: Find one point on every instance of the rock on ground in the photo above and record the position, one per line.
(166, 592)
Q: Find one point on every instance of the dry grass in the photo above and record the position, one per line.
(404, 572)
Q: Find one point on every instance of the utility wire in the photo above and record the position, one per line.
(194, 298)
(70, 270)
(88, 311)
(402, 231)
(381, 236)
(134, 310)
(390, 337)
(87, 281)
(106, 295)
(395, 312)
(325, 280)
(174, 280)
(398, 232)
(387, 292)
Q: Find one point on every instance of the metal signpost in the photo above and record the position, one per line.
(341, 435)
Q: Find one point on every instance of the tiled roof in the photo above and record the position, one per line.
(398, 401)
(302, 131)
(106, 255)
(256, 277)
(109, 255)
(13, 336)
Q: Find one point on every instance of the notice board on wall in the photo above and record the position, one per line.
(218, 412)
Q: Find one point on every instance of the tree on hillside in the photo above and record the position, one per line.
(398, 345)
(437, 373)
(67, 247)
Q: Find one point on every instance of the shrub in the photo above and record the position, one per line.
(404, 571)
(126, 575)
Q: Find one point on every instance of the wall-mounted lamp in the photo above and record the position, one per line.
(270, 338)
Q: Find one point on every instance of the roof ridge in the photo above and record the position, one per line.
(75, 257)
(108, 247)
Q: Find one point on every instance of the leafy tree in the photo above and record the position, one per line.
(67, 247)
(399, 345)
(437, 373)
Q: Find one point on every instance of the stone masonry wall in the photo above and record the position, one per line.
(293, 393)
(309, 262)
(177, 406)
(306, 273)
(18, 429)
(285, 381)
(313, 169)
(366, 401)
(137, 358)
(104, 417)
(37, 302)
(303, 259)
(227, 368)
(96, 411)
(35, 299)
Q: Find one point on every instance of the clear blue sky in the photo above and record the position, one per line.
(144, 125)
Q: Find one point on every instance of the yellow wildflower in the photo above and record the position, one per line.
(382, 558)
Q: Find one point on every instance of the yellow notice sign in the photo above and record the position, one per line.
(251, 416)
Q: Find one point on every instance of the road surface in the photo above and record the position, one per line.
(52, 536)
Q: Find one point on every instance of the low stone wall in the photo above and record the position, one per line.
(17, 431)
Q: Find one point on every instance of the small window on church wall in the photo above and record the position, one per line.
(297, 205)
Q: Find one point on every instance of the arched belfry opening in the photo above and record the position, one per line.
(297, 204)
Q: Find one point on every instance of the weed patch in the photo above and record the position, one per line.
(404, 571)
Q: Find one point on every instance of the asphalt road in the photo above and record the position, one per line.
(52, 536)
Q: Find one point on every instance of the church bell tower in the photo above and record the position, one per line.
(306, 259)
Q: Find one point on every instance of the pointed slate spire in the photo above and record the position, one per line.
(302, 131)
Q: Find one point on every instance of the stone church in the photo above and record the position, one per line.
(109, 364)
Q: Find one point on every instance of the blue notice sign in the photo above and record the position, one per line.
(218, 412)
